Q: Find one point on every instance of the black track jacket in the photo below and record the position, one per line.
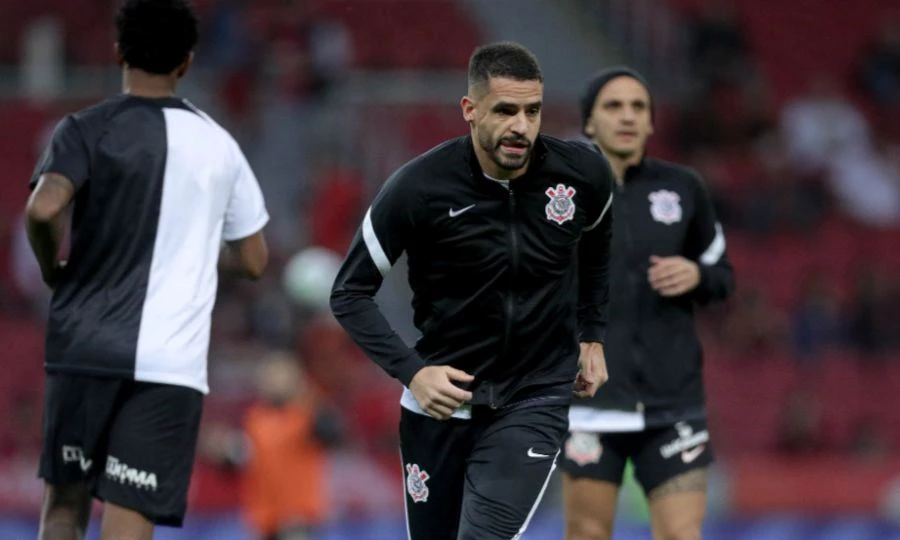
(506, 280)
(653, 355)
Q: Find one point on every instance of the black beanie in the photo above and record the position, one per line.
(598, 81)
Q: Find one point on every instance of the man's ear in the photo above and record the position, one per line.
(467, 104)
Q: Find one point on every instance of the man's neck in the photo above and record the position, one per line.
(619, 164)
(139, 83)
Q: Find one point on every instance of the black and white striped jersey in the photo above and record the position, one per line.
(158, 185)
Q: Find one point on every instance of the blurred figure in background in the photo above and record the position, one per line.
(719, 49)
(283, 451)
(822, 125)
(817, 322)
(801, 426)
(879, 72)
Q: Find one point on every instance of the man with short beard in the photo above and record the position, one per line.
(506, 232)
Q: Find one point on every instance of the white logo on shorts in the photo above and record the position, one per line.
(584, 448)
(688, 456)
(75, 454)
(686, 440)
(122, 473)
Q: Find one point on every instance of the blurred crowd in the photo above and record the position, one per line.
(825, 158)
(807, 187)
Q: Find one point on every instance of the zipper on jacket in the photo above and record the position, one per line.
(510, 297)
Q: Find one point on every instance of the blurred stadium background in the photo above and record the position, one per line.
(790, 109)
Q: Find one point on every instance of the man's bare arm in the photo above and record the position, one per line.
(46, 214)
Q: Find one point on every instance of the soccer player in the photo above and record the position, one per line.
(668, 254)
(155, 186)
(506, 232)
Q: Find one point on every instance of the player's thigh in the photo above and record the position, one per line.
(124, 524)
(433, 455)
(671, 465)
(678, 506)
(592, 466)
(152, 444)
(509, 469)
(78, 411)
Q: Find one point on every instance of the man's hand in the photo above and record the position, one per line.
(435, 392)
(593, 370)
(673, 276)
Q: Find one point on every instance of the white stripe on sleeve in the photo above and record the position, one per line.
(375, 250)
(602, 214)
(716, 248)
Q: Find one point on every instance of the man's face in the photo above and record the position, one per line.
(505, 117)
(620, 121)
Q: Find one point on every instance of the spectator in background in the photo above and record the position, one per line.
(331, 51)
(283, 451)
(822, 124)
(866, 182)
(336, 206)
(880, 65)
(801, 427)
(754, 327)
(719, 49)
(778, 198)
(870, 442)
(817, 320)
(874, 315)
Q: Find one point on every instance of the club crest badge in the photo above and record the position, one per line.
(416, 483)
(584, 448)
(665, 206)
(561, 207)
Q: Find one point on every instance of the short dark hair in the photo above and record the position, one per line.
(156, 36)
(503, 59)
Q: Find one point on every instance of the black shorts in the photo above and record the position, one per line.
(658, 454)
(480, 478)
(132, 443)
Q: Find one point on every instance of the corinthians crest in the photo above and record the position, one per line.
(584, 448)
(665, 206)
(561, 207)
(415, 483)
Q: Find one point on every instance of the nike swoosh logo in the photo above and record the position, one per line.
(688, 456)
(533, 454)
(454, 213)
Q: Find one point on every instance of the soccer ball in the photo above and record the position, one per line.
(309, 275)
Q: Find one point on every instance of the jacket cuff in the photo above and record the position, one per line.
(411, 365)
(594, 332)
(703, 284)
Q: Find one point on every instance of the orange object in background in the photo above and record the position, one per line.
(284, 478)
(285, 475)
